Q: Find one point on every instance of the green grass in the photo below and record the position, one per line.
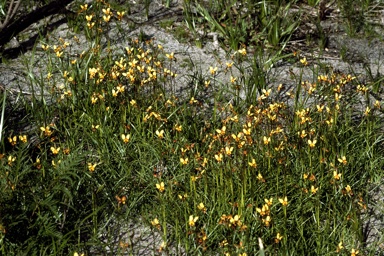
(274, 173)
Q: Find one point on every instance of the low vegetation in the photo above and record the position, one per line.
(254, 169)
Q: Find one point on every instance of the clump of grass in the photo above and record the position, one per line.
(243, 23)
(357, 16)
(274, 175)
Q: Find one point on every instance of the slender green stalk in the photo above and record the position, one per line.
(2, 114)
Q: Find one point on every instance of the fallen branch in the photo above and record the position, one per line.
(8, 32)
(12, 9)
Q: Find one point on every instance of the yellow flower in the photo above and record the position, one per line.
(252, 163)
(278, 238)
(367, 111)
(125, 138)
(54, 163)
(241, 144)
(362, 88)
(348, 190)
(343, 160)
(192, 220)
(160, 187)
(55, 151)
(91, 167)
(337, 96)
(107, 11)
(320, 108)
(49, 76)
(59, 54)
(219, 157)
(76, 254)
(242, 51)
(45, 47)
(183, 197)
(223, 244)
(162, 246)
(268, 202)
(160, 134)
(133, 63)
(184, 161)
(13, 140)
(114, 75)
(155, 222)
(192, 101)
(237, 137)
(354, 252)
(83, 8)
(202, 207)
(56, 48)
(247, 131)
(221, 131)
(266, 140)
(65, 45)
(314, 190)
(37, 163)
(235, 119)
(205, 162)
(312, 143)
(92, 72)
(336, 175)
(141, 69)
(267, 221)
(47, 130)
(120, 15)
(266, 93)
(235, 221)
(90, 25)
(68, 92)
(302, 134)
(283, 201)
(304, 61)
(88, 17)
(94, 99)
(120, 88)
(170, 56)
(11, 159)
(260, 177)
(339, 247)
(212, 70)
(178, 128)
(228, 150)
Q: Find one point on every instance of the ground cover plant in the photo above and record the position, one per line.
(258, 170)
